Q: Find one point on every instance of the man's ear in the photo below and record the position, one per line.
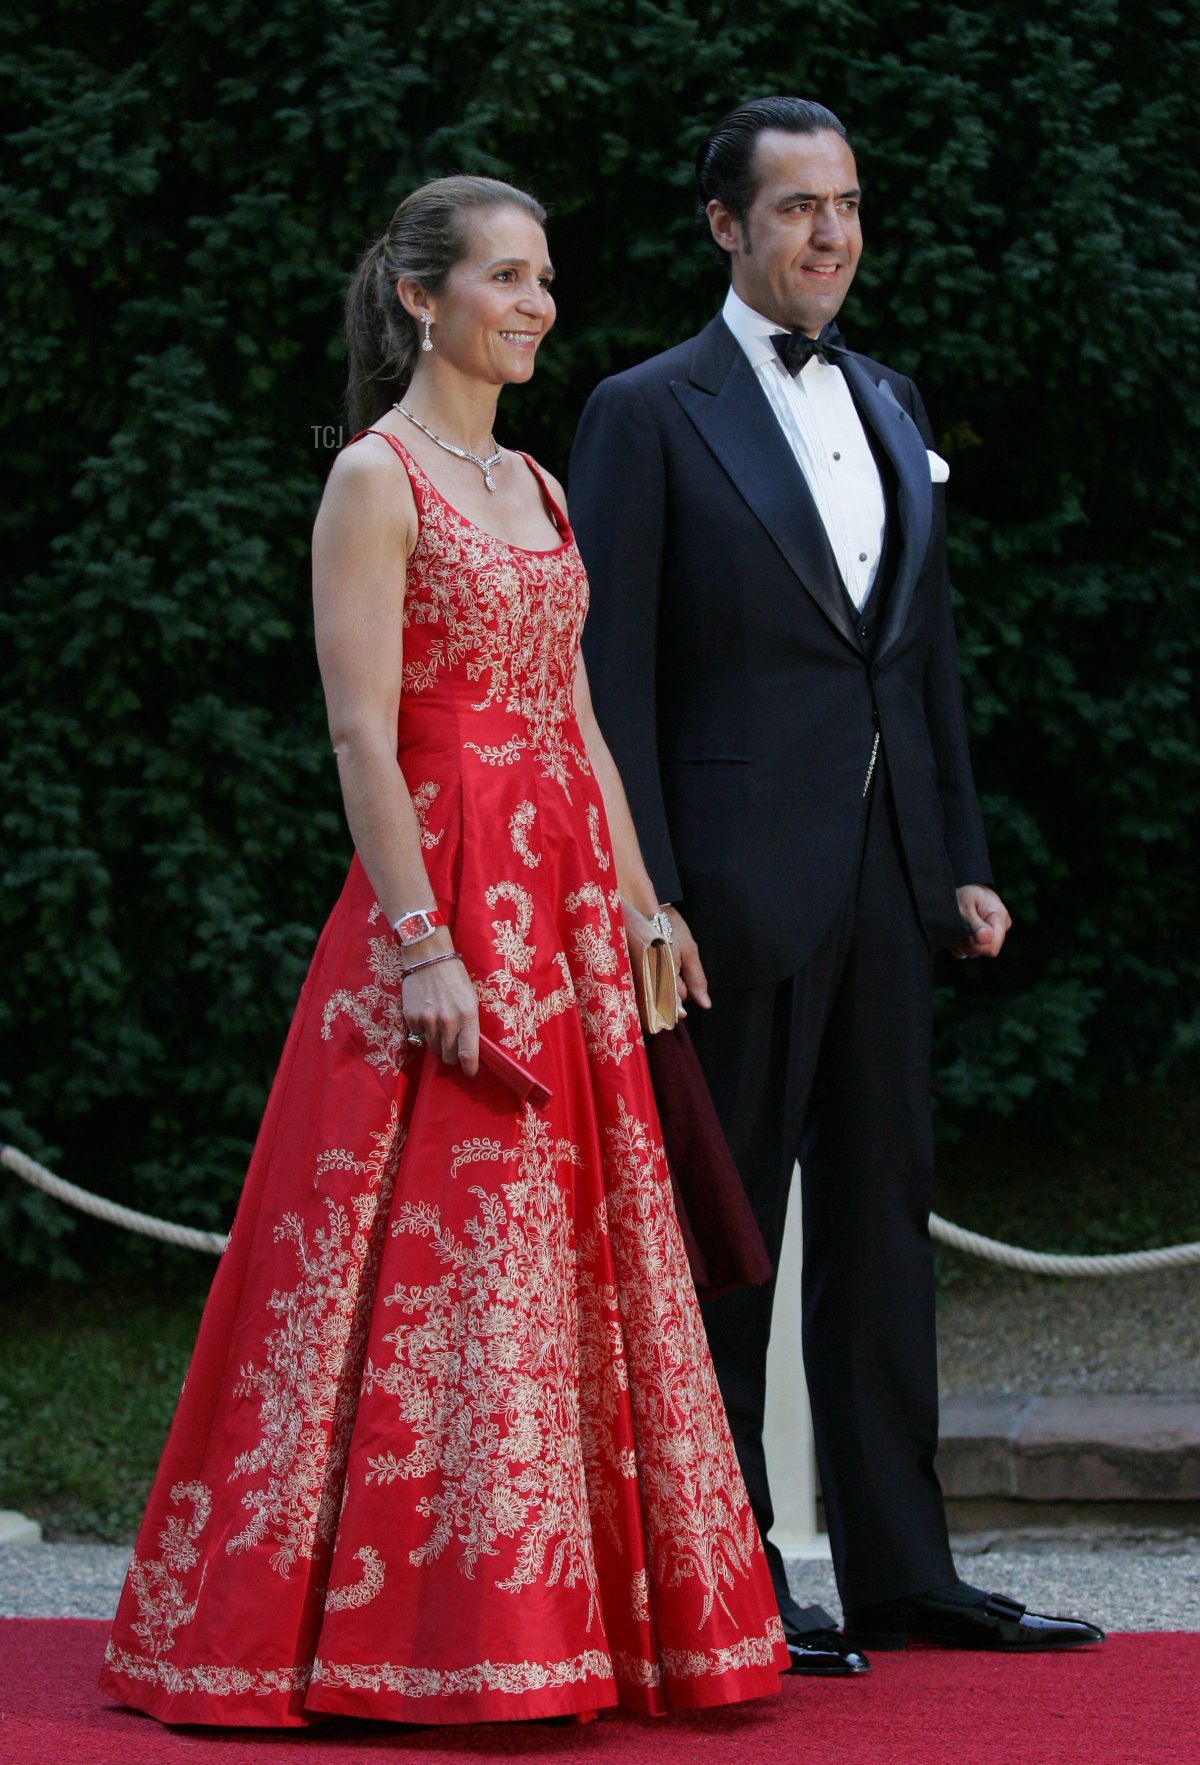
(725, 227)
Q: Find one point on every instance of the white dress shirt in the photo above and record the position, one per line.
(817, 415)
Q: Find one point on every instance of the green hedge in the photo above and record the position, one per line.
(188, 186)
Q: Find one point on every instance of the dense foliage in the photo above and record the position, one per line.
(187, 186)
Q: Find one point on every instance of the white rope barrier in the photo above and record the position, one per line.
(189, 1237)
(1009, 1256)
(1042, 1262)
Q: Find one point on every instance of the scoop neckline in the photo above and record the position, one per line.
(528, 551)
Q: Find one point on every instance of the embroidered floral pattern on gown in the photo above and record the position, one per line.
(450, 1446)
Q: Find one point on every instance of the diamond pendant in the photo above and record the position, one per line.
(488, 479)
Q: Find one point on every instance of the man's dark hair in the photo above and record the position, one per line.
(725, 162)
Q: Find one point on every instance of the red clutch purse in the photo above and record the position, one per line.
(510, 1072)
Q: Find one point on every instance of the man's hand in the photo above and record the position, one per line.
(988, 919)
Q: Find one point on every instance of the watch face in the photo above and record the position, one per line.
(415, 926)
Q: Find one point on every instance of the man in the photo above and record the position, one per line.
(772, 657)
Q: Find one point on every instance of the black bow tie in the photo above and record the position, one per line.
(797, 347)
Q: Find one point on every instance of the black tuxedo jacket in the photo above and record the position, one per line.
(739, 692)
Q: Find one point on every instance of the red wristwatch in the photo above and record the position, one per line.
(412, 928)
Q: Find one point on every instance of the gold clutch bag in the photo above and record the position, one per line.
(654, 981)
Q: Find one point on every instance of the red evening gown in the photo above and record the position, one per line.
(450, 1447)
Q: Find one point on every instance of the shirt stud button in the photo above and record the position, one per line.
(862, 557)
(837, 456)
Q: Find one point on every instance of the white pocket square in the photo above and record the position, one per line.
(939, 471)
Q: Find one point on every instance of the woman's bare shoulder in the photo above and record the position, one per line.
(368, 477)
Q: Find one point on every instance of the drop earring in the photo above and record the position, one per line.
(425, 341)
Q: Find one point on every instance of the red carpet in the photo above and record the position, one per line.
(1136, 1701)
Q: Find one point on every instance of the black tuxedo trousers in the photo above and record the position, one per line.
(831, 1066)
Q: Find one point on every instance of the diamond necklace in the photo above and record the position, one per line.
(462, 453)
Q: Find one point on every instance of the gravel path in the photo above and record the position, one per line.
(61, 1580)
(998, 1332)
(1127, 1586)
(1003, 1332)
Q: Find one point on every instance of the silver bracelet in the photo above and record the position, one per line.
(432, 962)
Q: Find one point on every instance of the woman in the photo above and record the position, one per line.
(451, 1448)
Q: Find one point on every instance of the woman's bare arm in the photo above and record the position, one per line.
(638, 899)
(637, 890)
(365, 531)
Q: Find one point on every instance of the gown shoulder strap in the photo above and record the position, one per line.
(557, 513)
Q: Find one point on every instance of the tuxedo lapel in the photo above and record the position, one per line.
(901, 440)
(731, 412)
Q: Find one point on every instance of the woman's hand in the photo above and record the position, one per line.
(689, 971)
(689, 974)
(442, 1008)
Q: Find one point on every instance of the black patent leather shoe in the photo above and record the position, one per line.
(987, 1621)
(824, 1654)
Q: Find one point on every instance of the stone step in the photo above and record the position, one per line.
(1075, 1448)
(18, 1529)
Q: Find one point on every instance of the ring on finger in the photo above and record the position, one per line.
(416, 1038)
